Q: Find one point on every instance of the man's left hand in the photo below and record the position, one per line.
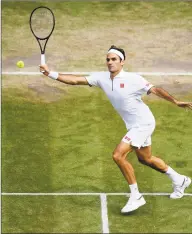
(184, 104)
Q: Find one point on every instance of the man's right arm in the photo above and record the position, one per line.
(72, 79)
(65, 78)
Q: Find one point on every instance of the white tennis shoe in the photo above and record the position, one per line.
(179, 189)
(133, 204)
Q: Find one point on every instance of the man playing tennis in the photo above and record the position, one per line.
(124, 91)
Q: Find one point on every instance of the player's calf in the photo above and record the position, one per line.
(154, 162)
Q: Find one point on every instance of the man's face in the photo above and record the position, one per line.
(114, 63)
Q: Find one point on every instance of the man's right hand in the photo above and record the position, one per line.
(44, 69)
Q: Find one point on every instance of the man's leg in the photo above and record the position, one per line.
(119, 156)
(180, 182)
(145, 157)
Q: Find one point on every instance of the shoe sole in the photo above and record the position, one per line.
(141, 204)
(186, 186)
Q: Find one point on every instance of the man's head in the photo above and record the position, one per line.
(115, 59)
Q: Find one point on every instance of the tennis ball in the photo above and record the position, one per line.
(20, 64)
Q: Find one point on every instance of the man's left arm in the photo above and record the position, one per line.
(165, 95)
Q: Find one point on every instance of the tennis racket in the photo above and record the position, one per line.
(42, 24)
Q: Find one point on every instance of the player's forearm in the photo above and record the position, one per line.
(67, 79)
(165, 95)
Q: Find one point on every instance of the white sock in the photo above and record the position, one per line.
(174, 176)
(134, 190)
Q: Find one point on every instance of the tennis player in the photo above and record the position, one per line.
(124, 90)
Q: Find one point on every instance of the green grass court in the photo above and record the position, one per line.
(66, 146)
(59, 139)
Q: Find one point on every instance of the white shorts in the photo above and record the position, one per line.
(139, 136)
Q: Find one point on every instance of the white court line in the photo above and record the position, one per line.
(89, 73)
(85, 194)
(104, 213)
(50, 194)
(103, 199)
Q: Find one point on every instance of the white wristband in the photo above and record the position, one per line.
(53, 75)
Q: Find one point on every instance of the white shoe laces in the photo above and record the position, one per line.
(132, 199)
(179, 188)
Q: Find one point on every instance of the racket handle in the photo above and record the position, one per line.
(42, 59)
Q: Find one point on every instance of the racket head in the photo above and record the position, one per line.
(42, 22)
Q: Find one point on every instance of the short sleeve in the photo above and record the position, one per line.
(93, 79)
(146, 85)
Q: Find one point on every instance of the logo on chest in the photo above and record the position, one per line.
(122, 85)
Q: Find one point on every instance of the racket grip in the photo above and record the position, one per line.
(42, 59)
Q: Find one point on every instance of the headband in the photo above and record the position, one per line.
(117, 52)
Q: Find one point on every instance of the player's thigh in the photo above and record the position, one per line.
(143, 153)
(122, 149)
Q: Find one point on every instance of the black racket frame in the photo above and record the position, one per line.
(44, 38)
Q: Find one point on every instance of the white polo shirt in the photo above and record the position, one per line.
(125, 92)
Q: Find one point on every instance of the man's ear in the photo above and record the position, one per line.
(122, 62)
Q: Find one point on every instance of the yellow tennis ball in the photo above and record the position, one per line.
(20, 64)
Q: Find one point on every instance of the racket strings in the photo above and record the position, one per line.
(42, 22)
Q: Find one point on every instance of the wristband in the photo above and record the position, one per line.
(53, 75)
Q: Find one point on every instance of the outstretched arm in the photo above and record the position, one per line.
(67, 79)
(165, 95)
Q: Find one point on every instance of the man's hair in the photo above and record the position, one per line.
(119, 49)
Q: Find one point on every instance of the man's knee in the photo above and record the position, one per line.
(144, 155)
(118, 157)
(145, 161)
(121, 151)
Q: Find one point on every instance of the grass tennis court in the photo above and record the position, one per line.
(59, 139)
(43, 151)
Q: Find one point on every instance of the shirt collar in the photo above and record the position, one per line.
(120, 74)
